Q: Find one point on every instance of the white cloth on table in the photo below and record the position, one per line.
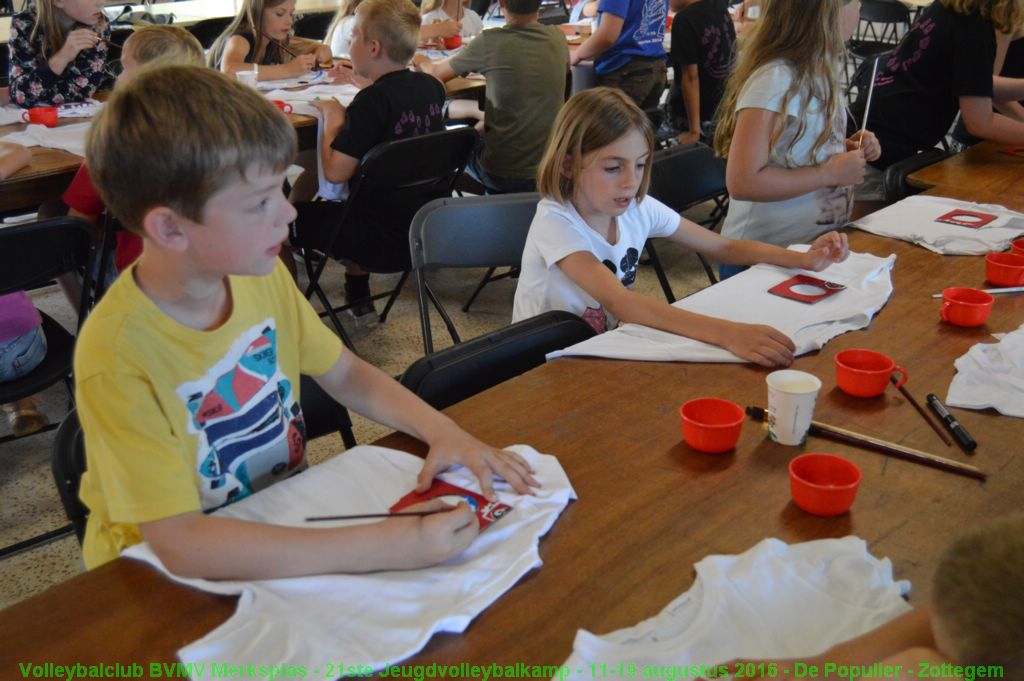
(772, 601)
(11, 114)
(300, 99)
(70, 138)
(745, 298)
(382, 617)
(86, 109)
(913, 219)
(991, 375)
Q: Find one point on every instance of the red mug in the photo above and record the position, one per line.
(285, 107)
(452, 42)
(41, 115)
(1005, 269)
(965, 306)
(865, 373)
(1017, 247)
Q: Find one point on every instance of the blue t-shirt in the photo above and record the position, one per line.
(643, 32)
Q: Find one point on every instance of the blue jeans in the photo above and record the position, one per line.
(22, 354)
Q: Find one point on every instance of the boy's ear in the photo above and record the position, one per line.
(375, 48)
(165, 227)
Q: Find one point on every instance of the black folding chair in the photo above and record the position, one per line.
(475, 231)
(882, 24)
(313, 25)
(207, 30)
(683, 177)
(451, 375)
(395, 179)
(894, 179)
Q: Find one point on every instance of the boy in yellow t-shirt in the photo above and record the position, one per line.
(187, 372)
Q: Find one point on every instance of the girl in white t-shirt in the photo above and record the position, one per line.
(783, 123)
(585, 241)
(441, 11)
(339, 33)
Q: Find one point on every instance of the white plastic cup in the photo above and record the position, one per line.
(791, 398)
(247, 77)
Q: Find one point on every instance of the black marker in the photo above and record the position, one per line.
(959, 432)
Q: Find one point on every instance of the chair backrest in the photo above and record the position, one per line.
(882, 21)
(34, 253)
(687, 175)
(395, 179)
(894, 179)
(312, 25)
(207, 30)
(322, 413)
(67, 461)
(451, 375)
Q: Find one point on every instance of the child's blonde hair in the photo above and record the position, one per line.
(976, 596)
(395, 24)
(1005, 15)
(806, 36)
(590, 120)
(48, 21)
(249, 25)
(164, 44)
(175, 135)
(346, 8)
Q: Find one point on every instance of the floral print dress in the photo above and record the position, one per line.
(33, 83)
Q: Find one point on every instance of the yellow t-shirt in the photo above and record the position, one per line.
(179, 420)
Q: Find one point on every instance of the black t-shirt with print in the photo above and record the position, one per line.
(944, 56)
(703, 34)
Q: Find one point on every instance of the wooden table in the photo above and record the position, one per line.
(649, 507)
(985, 167)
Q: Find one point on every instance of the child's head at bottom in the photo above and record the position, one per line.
(588, 123)
(176, 135)
(155, 45)
(977, 607)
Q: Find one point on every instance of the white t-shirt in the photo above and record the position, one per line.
(341, 38)
(802, 218)
(772, 601)
(557, 231)
(472, 24)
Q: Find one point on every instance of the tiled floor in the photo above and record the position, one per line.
(28, 499)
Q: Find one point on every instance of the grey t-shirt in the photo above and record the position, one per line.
(526, 67)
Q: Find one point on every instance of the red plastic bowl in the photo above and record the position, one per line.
(1005, 269)
(1017, 247)
(823, 484)
(711, 425)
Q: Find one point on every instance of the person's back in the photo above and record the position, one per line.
(704, 41)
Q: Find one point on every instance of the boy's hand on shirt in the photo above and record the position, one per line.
(867, 143)
(331, 109)
(438, 537)
(484, 461)
(845, 168)
(826, 249)
(758, 343)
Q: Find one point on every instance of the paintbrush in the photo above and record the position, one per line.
(867, 442)
(863, 129)
(994, 291)
(362, 516)
(920, 410)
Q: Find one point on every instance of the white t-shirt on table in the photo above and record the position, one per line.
(472, 24)
(558, 230)
(802, 218)
(341, 38)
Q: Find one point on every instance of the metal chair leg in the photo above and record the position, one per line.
(660, 272)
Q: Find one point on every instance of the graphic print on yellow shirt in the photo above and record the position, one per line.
(249, 426)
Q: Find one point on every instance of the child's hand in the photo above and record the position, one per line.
(341, 74)
(330, 108)
(867, 143)
(78, 40)
(448, 28)
(688, 137)
(846, 168)
(438, 537)
(459, 447)
(304, 63)
(758, 343)
(323, 56)
(826, 249)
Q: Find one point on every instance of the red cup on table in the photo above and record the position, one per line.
(823, 484)
(1017, 247)
(41, 115)
(711, 425)
(865, 373)
(285, 107)
(452, 42)
(1005, 269)
(963, 306)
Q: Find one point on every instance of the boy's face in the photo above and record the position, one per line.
(277, 21)
(359, 51)
(243, 226)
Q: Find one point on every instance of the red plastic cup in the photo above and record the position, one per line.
(1017, 247)
(1005, 269)
(285, 107)
(41, 115)
(452, 42)
(711, 425)
(823, 484)
(965, 306)
(865, 373)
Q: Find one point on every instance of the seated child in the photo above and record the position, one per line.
(260, 38)
(584, 244)
(975, 617)
(187, 371)
(440, 11)
(399, 103)
(22, 348)
(525, 64)
(339, 33)
(703, 50)
(58, 52)
(155, 44)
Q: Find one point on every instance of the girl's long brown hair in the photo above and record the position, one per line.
(807, 36)
(54, 34)
(1005, 15)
